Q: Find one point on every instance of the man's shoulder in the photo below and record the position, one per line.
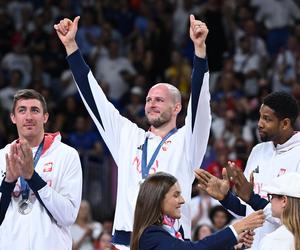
(5, 149)
(262, 147)
(60, 148)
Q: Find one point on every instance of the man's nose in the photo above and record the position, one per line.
(182, 201)
(28, 115)
(260, 123)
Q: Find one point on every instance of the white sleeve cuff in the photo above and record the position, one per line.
(234, 232)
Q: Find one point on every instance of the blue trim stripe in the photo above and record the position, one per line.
(200, 67)
(121, 237)
(80, 72)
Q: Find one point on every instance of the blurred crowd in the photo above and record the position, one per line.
(253, 48)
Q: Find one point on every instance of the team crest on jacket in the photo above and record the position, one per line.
(281, 171)
(48, 167)
(166, 145)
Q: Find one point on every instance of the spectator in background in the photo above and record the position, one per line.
(219, 217)
(84, 139)
(202, 231)
(7, 93)
(277, 17)
(104, 242)
(85, 231)
(18, 59)
(201, 204)
(115, 70)
(285, 66)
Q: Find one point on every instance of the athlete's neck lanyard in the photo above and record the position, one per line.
(145, 167)
(24, 185)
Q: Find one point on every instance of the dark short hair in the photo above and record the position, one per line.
(219, 208)
(283, 104)
(26, 94)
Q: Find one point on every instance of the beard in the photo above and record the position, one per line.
(159, 121)
(264, 138)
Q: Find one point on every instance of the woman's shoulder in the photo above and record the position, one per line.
(154, 237)
(281, 238)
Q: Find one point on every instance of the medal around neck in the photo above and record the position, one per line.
(25, 206)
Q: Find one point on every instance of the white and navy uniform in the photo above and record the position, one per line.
(269, 161)
(179, 155)
(55, 192)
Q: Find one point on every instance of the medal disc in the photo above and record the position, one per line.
(25, 207)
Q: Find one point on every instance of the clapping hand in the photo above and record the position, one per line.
(215, 187)
(242, 186)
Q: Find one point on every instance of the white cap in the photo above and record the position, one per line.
(286, 184)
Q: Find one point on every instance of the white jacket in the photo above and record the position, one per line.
(280, 239)
(179, 155)
(269, 162)
(59, 166)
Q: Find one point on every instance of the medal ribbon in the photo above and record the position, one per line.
(24, 185)
(145, 167)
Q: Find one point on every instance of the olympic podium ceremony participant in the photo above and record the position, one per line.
(283, 203)
(42, 184)
(163, 147)
(157, 209)
(277, 154)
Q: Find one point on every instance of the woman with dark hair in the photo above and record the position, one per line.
(157, 209)
(201, 231)
(219, 217)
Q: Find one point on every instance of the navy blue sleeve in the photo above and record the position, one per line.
(6, 189)
(36, 183)
(233, 203)
(256, 202)
(156, 238)
(200, 66)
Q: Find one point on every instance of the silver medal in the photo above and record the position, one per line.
(25, 207)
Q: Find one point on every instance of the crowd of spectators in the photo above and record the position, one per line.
(253, 48)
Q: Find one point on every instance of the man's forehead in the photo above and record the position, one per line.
(28, 103)
(158, 90)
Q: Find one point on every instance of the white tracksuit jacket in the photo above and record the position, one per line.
(59, 173)
(180, 154)
(269, 162)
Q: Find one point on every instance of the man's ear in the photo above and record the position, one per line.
(12, 118)
(46, 116)
(177, 108)
(286, 123)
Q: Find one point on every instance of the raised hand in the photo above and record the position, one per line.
(198, 34)
(66, 30)
(215, 187)
(242, 186)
